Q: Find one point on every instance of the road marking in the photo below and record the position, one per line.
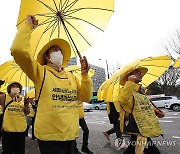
(176, 137)
(165, 121)
(171, 117)
(175, 113)
(96, 122)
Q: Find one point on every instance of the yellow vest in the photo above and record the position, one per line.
(145, 117)
(57, 117)
(14, 117)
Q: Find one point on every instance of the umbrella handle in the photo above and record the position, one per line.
(79, 54)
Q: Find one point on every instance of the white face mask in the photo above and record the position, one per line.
(56, 58)
(15, 91)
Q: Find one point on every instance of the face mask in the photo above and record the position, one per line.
(56, 58)
(15, 91)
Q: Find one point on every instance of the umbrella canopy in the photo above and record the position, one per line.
(76, 70)
(177, 63)
(156, 67)
(77, 21)
(10, 71)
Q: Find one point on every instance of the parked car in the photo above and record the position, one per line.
(173, 105)
(87, 106)
(99, 106)
(169, 102)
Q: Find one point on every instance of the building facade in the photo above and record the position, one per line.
(98, 78)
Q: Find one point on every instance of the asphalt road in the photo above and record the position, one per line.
(98, 122)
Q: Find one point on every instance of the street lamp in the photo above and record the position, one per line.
(107, 67)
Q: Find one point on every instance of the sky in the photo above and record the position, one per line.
(136, 29)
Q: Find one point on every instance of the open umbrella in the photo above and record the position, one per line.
(76, 70)
(156, 67)
(10, 71)
(177, 63)
(77, 21)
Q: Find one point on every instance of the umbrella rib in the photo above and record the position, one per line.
(47, 28)
(78, 32)
(65, 4)
(155, 66)
(88, 8)
(71, 5)
(72, 43)
(153, 75)
(46, 15)
(59, 26)
(7, 72)
(60, 4)
(47, 6)
(46, 22)
(14, 74)
(71, 17)
(55, 5)
(53, 29)
(21, 76)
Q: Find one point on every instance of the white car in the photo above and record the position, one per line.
(100, 106)
(87, 106)
(169, 102)
(173, 105)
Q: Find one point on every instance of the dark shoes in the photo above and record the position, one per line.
(86, 150)
(76, 151)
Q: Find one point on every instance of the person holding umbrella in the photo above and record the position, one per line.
(141, 121)
(57, 91)
(14, 122)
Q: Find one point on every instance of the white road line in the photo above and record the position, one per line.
(165, 121)
(176, 137)
(175, 113)
(96, 122)
(171, 117)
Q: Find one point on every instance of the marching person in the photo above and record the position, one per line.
(1, 109)
(113, 111)
(142, 122)
(30, 118)
(57, 91)
(85, 130)
(14, 122)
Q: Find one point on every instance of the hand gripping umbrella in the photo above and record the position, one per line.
(77, 21)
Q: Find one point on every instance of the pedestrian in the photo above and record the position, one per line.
(1, 109)
(30, 118)
(141, 122)
(113, 111)
(14, 122)
(57, 91)
(83, 125)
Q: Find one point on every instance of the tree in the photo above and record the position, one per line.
(170, 81)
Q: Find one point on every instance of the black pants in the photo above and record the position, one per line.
(152, 149)
(85, 129)
(33, 120)
(13, 142)
(115, 129)
(56, 147)
(114, 119)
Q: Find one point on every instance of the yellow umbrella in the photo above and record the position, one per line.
(177, 63)
(31, 93)
(77, 21)
(156, 67)
(76, 70)
(10, 71)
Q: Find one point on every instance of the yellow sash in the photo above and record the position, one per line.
(57, 117)
(145, 117)
(14, 117)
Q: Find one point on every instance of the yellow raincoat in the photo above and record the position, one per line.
(57, 114)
